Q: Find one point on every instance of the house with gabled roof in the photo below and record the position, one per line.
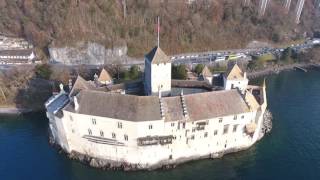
(105, 78)
(235, 78)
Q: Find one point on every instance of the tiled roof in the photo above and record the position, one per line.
(206, 72)
(215, 104)
(156, 56)
(200, 106)
(104, 76)
(81, 84)
(251, 100)
(235, 73)
(118, 106)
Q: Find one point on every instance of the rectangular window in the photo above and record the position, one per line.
(172, 124)
(126, 137)
(242, 117)
(192, 137)
(235, 127)
(225, 129)
(193, 129)
(220, 120)
(235, 117)
(206, 134)
(94, 121)
(150, 126)
(120, 125)
(89, 131)
(71, 119)
(183, 125)
(113, 135)
(101, 133)
(215, 132)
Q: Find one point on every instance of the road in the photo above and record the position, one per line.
(211, 56)
(214, 56)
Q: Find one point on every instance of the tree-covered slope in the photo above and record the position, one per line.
(204, 25)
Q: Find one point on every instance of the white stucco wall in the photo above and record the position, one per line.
(183, 146)
(157, 76)
(238, 83)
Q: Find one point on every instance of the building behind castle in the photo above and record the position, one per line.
(15, 50)
(143, 132)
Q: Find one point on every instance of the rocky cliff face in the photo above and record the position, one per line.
(86, 53)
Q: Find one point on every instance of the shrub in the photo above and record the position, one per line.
(43, 71)
(179, 72)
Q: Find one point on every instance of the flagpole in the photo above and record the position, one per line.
(158, 31)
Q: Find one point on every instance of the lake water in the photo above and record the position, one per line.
(291, 151)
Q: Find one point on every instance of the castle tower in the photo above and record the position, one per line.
(157, 73)
(235, 78)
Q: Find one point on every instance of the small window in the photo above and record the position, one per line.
(235, 117)
(72, 130)
(183, 125)
(215, 132)
(206, 134)
(89, 131)
(126, 137)
(225, 129)
(113, 135)
(120, 125)
(94, 121)
(220, 120)
(242, 117)
(101, 133)
(192, 137)
(150, 126)
(235, 127)
(71, 118)
(172, 124)
(193, 129)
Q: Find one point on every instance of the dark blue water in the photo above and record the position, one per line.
(291, 151)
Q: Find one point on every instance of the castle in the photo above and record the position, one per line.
(114, 129)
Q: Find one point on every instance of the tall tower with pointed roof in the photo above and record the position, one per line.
(157, 73)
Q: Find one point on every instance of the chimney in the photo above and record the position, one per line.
(70, 84)
(159, 93)
(61, 88)
(76, 104)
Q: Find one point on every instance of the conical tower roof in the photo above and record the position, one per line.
(235, 73)
(156, 56)
(104, 76)
(206, 72)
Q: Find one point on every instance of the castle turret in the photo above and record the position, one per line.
(157, 73)
(235, 78)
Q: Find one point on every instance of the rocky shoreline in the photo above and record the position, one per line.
(106, 164)
(278, 69)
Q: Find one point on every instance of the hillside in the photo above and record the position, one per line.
(205, 25)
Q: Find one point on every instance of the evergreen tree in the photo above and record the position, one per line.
(198, 69)
(179, 72)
